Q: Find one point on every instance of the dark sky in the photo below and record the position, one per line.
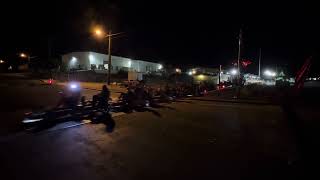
(176, 32)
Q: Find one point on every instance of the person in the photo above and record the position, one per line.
(104, 96)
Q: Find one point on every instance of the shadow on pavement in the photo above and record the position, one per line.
(162, 106)
(106, 119)
(156, 113)
(53, 125)
(189, 102)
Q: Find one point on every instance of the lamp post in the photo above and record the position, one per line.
(23, 55)
(101, 34)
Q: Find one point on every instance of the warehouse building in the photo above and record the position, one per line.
(99, 63)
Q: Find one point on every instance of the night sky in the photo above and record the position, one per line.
(175, 32)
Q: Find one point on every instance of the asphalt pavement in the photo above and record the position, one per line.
(210, 137)
(188, 139)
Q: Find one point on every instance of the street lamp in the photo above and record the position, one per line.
(98, 32)
(24, 55)
(101, 34)
(1, 61)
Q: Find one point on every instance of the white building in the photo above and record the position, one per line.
(99, 62)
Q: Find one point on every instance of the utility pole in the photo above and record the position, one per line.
(260, 63)
(237, 90)
(239, 54)
(109, 58)
(109, 35)
(219, 74)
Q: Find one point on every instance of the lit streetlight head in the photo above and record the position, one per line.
(98, 32)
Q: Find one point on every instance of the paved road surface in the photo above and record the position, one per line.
(183, 140)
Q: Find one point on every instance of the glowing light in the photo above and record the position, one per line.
(73, 86)
(160, 66)
(23, 55)
(234, 72)
(201, 77)
(1, 61)
(98, 32)
(178, 70)
(269, 73)
(190, 73)
(194, 71)
(129, 63)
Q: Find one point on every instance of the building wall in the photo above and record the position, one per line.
(84, 60)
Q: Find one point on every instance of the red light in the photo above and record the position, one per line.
(223, 86)
(50, 81)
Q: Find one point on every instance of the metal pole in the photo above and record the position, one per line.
(219, 74)
(239, 54)
(260, 63)
(109, 59)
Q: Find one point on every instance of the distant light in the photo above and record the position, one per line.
(314, 79)
(160, 66)
(234, 72)
(98, 32)
(129, 63)
(194, 71)
(269, 73)
(178, 70)
(73, 86)
(1, 61)
(221, 72)
(201, 76)
(23, 55)
(190, 73)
